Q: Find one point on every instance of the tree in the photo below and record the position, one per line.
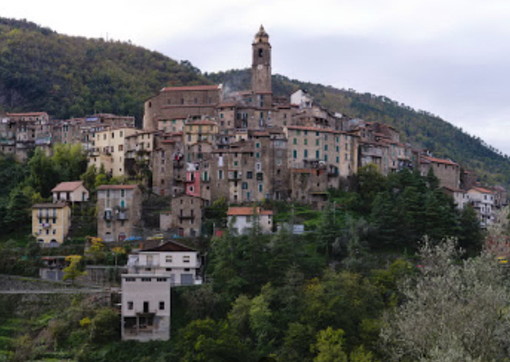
(329, 346)
(454, 310)
(470, 234)
(18, 210)
(73, 271)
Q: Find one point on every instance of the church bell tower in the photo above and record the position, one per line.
(261, 68)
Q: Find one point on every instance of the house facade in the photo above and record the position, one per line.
(146, 289)
(72, 192)
(242, 220)
(118, 212)
(51, 223)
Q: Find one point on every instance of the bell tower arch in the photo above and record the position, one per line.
(261, 65)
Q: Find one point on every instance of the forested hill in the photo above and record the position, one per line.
(75, 76)
(41, 70)
(421, 129)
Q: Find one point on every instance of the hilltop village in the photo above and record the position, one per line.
(254, 154)
(202, 144)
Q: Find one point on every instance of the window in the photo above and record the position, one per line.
(306, 141)
(257, 154)
(186, 259)
(305, 153)
(220, 174)
(161, 279)
(244, 186)
(257, 145)
(317, 142)
(295, 141)
(249, 175)
(130, 305)
(161, 305)
(168, 258)
(294, 153)
(146, 279)
(317, 154)
(130, 279)
(261, 187)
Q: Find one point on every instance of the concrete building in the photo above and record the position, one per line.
(146, 289)
(146, 306)
(242, 220)
(119, 209)
(51, 223)
(177, 261)
(72, 191)
(482, 200)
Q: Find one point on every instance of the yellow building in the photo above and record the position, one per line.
(51, 223)
(109, 150)
(200, 131)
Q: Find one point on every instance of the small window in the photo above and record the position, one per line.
(130, 279)
(130, 305)
(161, 305)
(168, 258)
(146, 279)
(161, 279)
(186, 259)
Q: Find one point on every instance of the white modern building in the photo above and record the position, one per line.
(242, 220)
(483, 202)
(146, 289)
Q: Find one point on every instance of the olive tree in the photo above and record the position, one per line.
(453, 309)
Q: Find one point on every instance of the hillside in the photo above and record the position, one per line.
(74, 76)
(421, 129)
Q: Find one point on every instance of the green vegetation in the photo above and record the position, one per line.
(74, 76)
(321, 296)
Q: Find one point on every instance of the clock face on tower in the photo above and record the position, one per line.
(260, 66)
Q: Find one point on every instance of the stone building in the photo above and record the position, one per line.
(179, 103)
(185, 217)
(448, 172)
(118, 212)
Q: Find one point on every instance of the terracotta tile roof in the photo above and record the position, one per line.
(481, 190)
(27, 114)
(313, 129)
(227, 104)
(439, 160)
(302, 170)
(57, 205)
(67, 186)
(201, 122)
(247, 211)
(170, 246)
(192, 88)
(117, 187)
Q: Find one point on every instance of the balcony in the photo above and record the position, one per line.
(234, 175)
(187, 217)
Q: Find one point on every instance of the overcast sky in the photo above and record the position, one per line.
(448, 57)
